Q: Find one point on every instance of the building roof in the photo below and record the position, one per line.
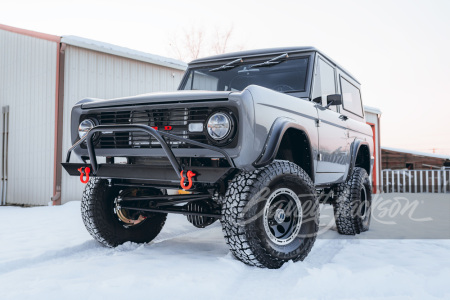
(123, 52)
(268, 51)
(442, 156)
(101, 47)
(373, 110)
(35, 34)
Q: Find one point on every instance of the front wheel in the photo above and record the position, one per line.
(112, 225)
(271, 215)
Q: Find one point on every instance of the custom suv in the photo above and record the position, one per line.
(255, 139)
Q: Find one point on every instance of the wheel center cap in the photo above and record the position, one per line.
(280, 215)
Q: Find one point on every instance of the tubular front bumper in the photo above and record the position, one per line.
(154, 174)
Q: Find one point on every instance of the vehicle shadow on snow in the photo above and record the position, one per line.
(209, 243)
(196, 242)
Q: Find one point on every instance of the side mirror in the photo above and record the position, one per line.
(335, 99)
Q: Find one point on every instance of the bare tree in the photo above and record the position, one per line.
(221, 41)
(194, 42)
(198, 42)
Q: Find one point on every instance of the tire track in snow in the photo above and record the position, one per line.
(322, 253)
(86, 247)
(21, 263)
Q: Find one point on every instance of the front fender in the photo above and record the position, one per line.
(272, 144)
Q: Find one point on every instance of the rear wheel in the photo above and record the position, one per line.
(112, 225)
(271, 215)
(352, 208)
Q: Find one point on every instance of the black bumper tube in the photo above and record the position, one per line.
(158, 135)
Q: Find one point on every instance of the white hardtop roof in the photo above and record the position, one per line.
(123, 52)
(372, 110)
(442, 156)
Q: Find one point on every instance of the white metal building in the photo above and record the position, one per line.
(41, 77)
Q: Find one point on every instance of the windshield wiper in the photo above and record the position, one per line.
(271, 62)
(230, 65)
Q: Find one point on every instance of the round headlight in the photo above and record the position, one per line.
(84, 127)
(219, 126)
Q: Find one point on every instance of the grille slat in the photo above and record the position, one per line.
(178, 119)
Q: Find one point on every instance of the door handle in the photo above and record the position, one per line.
(343, 118)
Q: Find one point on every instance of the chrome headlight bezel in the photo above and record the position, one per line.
(84, 127)
(218, 126)
(227, 137)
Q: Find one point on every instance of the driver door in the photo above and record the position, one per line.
(334, 148)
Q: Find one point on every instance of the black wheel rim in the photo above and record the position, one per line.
(282, 216)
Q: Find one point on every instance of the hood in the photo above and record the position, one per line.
(156, 98)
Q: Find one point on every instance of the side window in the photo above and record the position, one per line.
(351, 97)
(324, 81)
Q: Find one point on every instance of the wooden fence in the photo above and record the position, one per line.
(415, 181)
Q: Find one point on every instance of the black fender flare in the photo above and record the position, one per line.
(354, 150)
(273, 141)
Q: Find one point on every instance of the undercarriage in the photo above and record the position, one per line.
(132, 206)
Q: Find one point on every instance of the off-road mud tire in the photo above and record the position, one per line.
(248, 241)
(97, 210)
(349, 220)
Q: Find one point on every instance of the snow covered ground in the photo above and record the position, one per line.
(46, 253)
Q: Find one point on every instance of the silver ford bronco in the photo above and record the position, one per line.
(255, 139)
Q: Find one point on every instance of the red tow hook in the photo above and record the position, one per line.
(86, 172)
(189, 175)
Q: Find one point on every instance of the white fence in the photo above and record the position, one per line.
(415, 181)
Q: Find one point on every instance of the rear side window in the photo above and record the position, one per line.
(351, 97)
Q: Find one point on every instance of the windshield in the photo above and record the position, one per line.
(288, 76)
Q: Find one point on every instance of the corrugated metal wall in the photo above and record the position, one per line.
(28, 86)
(94, 74)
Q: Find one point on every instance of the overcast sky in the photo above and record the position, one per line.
(398, 50)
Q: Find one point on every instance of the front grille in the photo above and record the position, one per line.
(177, 120)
